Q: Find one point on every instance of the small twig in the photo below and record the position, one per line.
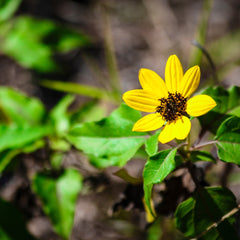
(229, 214)
(205, 52)
(202, 145)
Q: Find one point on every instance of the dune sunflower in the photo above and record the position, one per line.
(167, 102)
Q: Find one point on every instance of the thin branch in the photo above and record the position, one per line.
(205, 52)
(202, 145)
(229, 214)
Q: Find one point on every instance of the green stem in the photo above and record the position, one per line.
(110, 55)
(80, 89)
(201, 32)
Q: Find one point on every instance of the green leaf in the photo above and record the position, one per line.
(152, 144)
(147, 188)
(8, 8)
(56, 159)
(156, 170)
(6, 156)
(154, 231)
(19, 108)
(228, 104)
(206, 207)
(3, 235)
(17, 137)
(202, 156)
(89, 112)
(81, 89)
(59, 115)
(228, 140)
(33, 42)
(12, 223)
(110, 141)
(59, 196)
(160, 165)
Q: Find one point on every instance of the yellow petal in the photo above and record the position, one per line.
(190, 81)
(141, 100)
(152, 82)
(179, 129)
(199, 105)
(173, 74)
(149, 122)
(182, 128)
(167, 134)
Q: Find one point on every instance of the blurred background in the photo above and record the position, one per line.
(103, 44)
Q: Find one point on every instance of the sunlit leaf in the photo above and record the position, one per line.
(89, 112)
(19, 108)
(8, 8)
(33, 42)
(206, 207)
(156, 170)
(12, 223)
(152, 144)
(110, 141)
(60, 116)
(228, 103)
(18, 137)
(58, 197)
(228, 140)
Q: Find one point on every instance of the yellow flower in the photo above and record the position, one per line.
(168, 101)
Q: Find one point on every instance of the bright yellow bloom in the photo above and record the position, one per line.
(168, 101)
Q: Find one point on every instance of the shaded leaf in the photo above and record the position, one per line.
(228, 104)
(12, 223)
(59, 196)
(202, 156)
(6, 156)
(228, 140)
(110, 141)
(33, 42)
(206, 207)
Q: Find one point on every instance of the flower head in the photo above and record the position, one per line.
(167, 102)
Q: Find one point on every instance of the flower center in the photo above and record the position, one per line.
(173, 107)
